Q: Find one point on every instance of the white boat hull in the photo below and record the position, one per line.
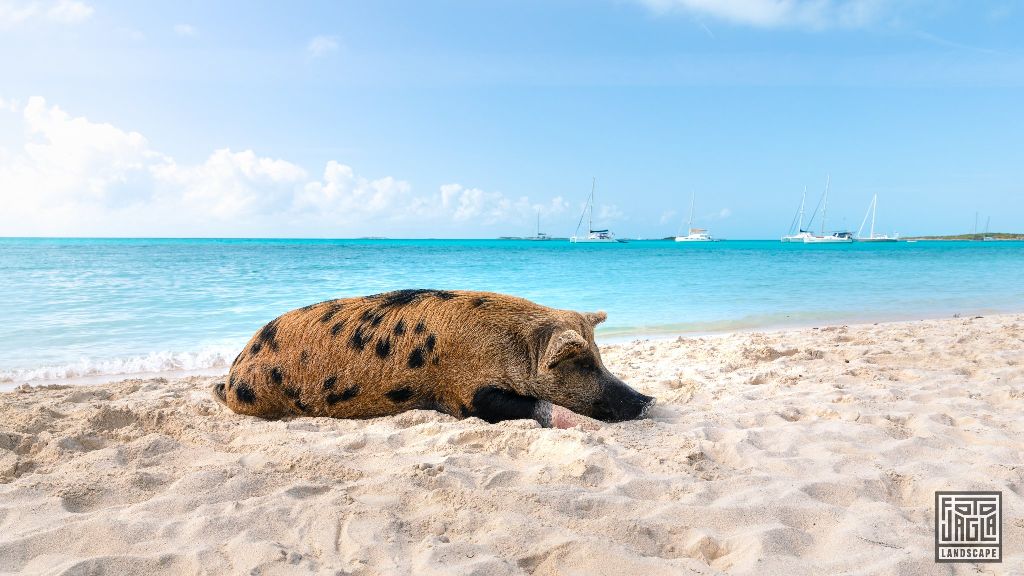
(877, 239)
(695, 238)
(827, 240)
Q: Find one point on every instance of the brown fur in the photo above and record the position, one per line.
(387, 353)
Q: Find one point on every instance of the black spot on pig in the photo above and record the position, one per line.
(330, 312)
(337, 327)
(359, 339)
(348, 394)
(399, 298)
(372, 317)
(416, 358)
(244, 393)
(399, 394)
(276, 376)
(268, 334)
(383, 348)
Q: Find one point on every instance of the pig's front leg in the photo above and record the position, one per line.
(495, 404)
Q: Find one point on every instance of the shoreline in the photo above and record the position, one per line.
(616, 337)
(803, 451)
(776, 327)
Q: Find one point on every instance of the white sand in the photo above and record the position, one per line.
(798, 452)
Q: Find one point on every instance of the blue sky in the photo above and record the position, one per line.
(466, 119)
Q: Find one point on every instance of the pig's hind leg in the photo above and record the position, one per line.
(495, 404)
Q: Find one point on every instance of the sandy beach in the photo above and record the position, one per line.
(810, 451)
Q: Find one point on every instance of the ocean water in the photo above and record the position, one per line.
(76, 308)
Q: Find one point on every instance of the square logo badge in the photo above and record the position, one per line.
(969, 527)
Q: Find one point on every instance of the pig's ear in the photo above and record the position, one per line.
(595, 318)
(568, 344)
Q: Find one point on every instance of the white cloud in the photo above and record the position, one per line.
(185, 30)
(71, 176)
(667, 216)
(13, 13)
(610, 212)
(482, 207)
(474, 203)
(68, 170)
(322, 45)
(69, 11)
(342, 196)
(79, 158)
(230, 184)
(724, 213)
(779, 13)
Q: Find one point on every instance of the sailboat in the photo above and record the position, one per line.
(694, 234)
(986, 237)
(872, 237)
(540, 235)
(833, 238)
(800, 232)
(593, 236)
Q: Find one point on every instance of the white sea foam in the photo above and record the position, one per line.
(207, 358)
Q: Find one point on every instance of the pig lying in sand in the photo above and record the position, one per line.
(479, 354)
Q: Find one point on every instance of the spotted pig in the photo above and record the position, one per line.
(480, 354)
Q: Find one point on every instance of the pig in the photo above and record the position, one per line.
(467, 354)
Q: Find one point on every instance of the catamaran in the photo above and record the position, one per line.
(594, 236)
(872, 237)
(694, 234)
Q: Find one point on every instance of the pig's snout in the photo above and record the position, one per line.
(618, 403)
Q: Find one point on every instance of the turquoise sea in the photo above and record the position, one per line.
(96, 307)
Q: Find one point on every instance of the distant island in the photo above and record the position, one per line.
(531, 238)
(991, 235)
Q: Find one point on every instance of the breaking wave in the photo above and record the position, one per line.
(208, 358)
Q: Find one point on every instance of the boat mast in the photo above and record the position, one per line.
(824, 208)
(593, 185)
(874, 208)
(800, 224)
(871, 206)
(689, 223)
(590, 206)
